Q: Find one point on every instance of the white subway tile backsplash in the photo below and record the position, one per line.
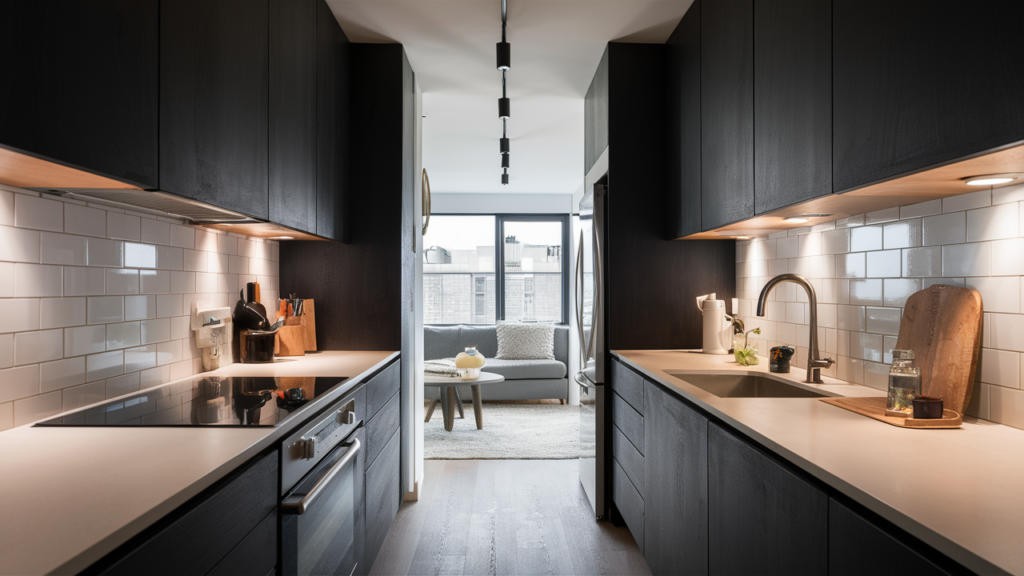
(6, 280)
(227, 244)
(1008, 194)
(156, 232)
(84, 340)
(28, 410)
(140, 307)
(850, 222)
(183, 236)
(180, 328)
(835, 291)
(84, 220)
(61, 374)
(123, 335)
(105, 365)
(866, 238)
(19, 245)
(83, 395)
(977, 199)
(998, 293)
(866, 347)
(155, 281)
(866, 292)
(106, 309)
(850, 318)
(19, 315)
(121, 281)
(103, 252)
(993, 223)
(967, 259)
(121, 385)
(154, 377)
(1006, 406)
(139, 358)
(6, 350)
(885, 264)
(7, 416)
(183, 282)
(62, 249)
(788, 247)
(139, 255)
(885, 215)
(897, 290)
(1007, 331)
(851, 265)
(169, 258)
(36, 347)
(169, 305)
(38, 281)
(84, 281)
(922, 262)
(18, 383)
(835, 241)
(61, 312)
(903, 234)
(38, 213)
(921, 209)
(124, 226)
(6, 208)
(883, 320)
(876, 375)
(957, 282)
(809, 244)
(169, 352)
(1000, 367)
(1008, 257)
(156, 330)
(944, 229)
(195, 261)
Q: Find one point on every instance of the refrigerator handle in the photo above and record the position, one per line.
(577, 297)
(598, 296)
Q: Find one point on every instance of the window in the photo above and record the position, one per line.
(463, 283)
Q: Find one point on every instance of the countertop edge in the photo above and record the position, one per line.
(950, 548)
(93, 554)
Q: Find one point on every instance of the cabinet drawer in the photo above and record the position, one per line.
(256, 554)
(210, 529)
(383, 496)
(629, 502)
(628, 384)
(850, 535)
(380, 429)
(629, 458)
(382, 387)
(629, 421)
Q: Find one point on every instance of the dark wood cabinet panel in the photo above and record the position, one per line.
(256, 554)
(293, 125)
(382, 388)
(684, 121)
(81, 84)
(214, 102)
(792, 102)
(676, 470)
(629, 421)
(629, 458)
(333, 126)
(913, 90)
(629, 503)
(727, 111)
(209, 528)
(627, 384)
(383, 497)
(595, 116)
(858, 546)
(380, 428)
(763, 518)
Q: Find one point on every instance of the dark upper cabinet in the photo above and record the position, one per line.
(857, 545)
(792, 102)
(727, 111)
(214, 102)
(293, 88)
(684, 120)
(913, 87)
(676, 472)
(595, 115)
(332, 125)
(81, 84)
(763, 518)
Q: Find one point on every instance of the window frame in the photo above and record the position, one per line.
(499, 256)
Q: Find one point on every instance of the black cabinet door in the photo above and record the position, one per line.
(676, 471)
(914, 88)
(763, 518)
(213, 102)
(858, 546)
(81, 84)
(383, 496)
(292, 170)
(684, 119)
(792, 102)
(595, 115)
(332, 125)
(727, 111)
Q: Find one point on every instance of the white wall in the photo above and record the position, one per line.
(864, 267)
(459, 203)
(95, 301)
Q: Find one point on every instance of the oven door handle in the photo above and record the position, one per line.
(290, 507)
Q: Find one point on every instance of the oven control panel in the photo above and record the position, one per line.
(307, 446)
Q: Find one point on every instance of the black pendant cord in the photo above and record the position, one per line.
(503, 104)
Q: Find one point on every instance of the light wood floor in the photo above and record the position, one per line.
(520, 517)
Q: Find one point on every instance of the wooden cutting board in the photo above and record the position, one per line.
(942, 325)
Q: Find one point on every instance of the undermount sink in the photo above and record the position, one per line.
(748, 386)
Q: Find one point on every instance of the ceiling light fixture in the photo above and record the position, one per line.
(281, 238)
(504, 63)
(795, 220)
(990, 179)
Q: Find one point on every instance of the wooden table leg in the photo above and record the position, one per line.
(478, 407)
(458, 401)
(430, 409)
(449, 417)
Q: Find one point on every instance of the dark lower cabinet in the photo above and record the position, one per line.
(214, 102)
(792, 102)
(762, 517)
(293, 122)
(223, 531)
(912, 88)
(726, 111)
(858, 546)
(383, 497)
(676, 485)
(81, 84)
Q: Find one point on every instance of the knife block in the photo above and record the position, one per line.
(307, 323)
(291, 340)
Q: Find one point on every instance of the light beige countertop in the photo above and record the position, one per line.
(73, 494)
(961, 491)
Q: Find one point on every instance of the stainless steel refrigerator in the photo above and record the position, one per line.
(589, 300)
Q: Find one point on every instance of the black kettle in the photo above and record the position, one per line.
(249, 315)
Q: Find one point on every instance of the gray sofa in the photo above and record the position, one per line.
(524, 379)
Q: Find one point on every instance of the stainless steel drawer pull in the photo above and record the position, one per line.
(300, 507)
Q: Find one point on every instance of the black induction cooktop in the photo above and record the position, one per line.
(207, 401)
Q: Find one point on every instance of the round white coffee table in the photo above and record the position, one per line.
(447, 384)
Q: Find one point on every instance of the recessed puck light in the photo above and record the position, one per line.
(989, 179)
(795, 220)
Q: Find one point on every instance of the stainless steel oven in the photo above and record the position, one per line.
(322, 495)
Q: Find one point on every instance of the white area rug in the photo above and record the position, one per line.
(511, 432)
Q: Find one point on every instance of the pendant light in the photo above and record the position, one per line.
(503, 58)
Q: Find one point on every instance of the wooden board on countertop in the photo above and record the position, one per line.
(942, 325)
(874, 407)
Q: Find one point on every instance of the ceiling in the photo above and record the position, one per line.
(556, 46)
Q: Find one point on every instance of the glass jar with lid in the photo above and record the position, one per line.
(904, 384)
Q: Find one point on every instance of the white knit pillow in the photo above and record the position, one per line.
(526, 341)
